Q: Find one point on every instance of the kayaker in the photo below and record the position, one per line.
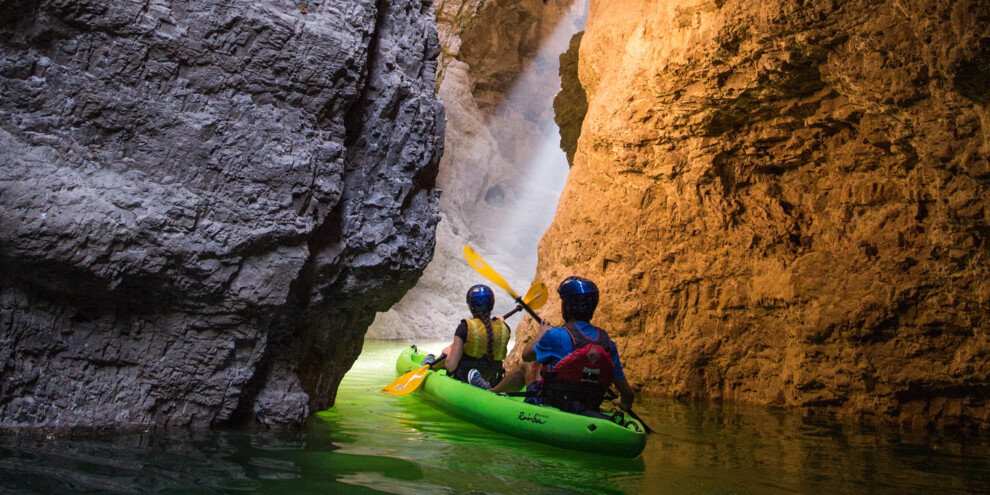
(573, 377)
(480, 343)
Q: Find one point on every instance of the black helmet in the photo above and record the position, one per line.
(578, 298)
(480, 299)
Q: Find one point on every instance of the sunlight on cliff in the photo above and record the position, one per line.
(502, 175)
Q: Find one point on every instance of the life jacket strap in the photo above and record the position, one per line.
(578, 338)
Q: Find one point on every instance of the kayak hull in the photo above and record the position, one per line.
(512, 416)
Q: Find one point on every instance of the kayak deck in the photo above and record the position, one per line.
(513, 416)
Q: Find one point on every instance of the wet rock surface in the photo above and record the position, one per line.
(786, 202)
(203, 204)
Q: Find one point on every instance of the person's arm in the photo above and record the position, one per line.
(626, 394)
(529, 352)
(440, 365)
(454, 356)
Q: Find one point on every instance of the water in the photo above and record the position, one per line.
(372, 443)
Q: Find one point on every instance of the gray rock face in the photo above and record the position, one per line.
(202, 204)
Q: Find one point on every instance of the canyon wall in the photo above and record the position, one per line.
(203, 204)
(497, 79)
(786, 202)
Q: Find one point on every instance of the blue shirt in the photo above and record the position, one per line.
(556, 343)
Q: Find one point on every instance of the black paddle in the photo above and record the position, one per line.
(611, 394)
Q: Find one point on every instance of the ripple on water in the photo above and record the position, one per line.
(372, 443)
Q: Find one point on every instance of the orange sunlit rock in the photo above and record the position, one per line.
(787, 204)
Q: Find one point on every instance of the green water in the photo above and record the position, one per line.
(372, 443)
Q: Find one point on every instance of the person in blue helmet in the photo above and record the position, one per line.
(579, 362)
(481, 342)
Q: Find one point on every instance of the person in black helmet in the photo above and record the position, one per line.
(480, 343)
(579, 361)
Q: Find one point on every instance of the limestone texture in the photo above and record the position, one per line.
(786, 202)
(497, 79)
(203, 204)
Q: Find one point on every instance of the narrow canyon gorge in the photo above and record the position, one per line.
(203, 206)
(502, 169)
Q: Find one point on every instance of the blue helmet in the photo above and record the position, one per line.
(578, 298)
(480, 299)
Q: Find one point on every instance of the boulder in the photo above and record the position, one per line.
(203, 204)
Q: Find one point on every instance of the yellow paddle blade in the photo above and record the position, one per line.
(406, 383)
(479, 264)
(537, 295)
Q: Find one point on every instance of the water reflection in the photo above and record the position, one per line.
(372, 443)
(199, 462)
(754, 450)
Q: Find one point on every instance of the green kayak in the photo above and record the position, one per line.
(512, 416)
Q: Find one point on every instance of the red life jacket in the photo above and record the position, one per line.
(582, 376)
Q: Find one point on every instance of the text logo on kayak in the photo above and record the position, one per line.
(535, 417)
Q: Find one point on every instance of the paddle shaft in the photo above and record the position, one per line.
(515, 310)
(525, 306)
(478, 263)
(611, 394)
(437, 360)
(536, 297)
